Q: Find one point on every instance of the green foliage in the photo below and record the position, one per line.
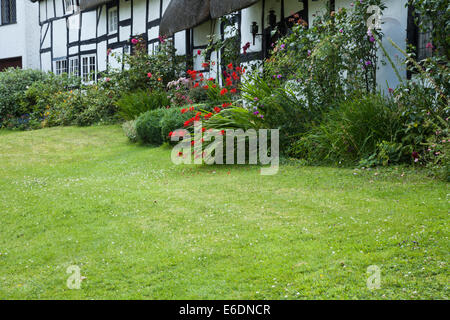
(97, 106)
(129, 128)
(172, 120)
(133, 104)
(351, 132)
(146, 70)
(330, 59)
(279, 107)
(148, 127)
(434, 16)
(13, 85)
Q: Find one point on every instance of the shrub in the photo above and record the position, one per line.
(148, 127)
(129, 128)
(147, 70)
(97, 106)
(131, 105)
(13, 85)
(326, 61)
(172, 120)
(351, 132)
(279, 107)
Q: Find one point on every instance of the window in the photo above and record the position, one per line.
(60, 67)
(113, 21)
(74, 66)
(420, 38)
(423, 45)
(88, 68)
(7, 12)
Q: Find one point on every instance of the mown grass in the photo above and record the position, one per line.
(140, 227)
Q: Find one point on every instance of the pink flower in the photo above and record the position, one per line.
(429, 45)
(134, 41)
(391, 90)
(149, 75)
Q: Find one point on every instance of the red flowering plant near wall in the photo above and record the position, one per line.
(223, 110)
(219, 96)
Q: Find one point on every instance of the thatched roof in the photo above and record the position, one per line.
(88, 4)
(185, 14)
(220, 8)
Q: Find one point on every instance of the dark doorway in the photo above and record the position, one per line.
(10, 63)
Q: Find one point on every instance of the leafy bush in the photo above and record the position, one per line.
(13, 85)
(172, 120)
(148, 127)
(131, 105)
(351, 132)
(279, 107)
(98, 106)
(327, 61)
(129, 128)
(145, 70)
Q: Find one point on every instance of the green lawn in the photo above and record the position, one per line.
(140, 227)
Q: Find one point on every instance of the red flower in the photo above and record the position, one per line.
(191, 108)
(217, 109)
(205, 65)
(226, 105)
(183, 110)
(233, 90)
(170, 133)
(222, 133)
(196, 85)
(211, 79)
(203, 129)
(180, 154)
(209, 115)
(235, 76)
(206, 87)
(223, 91)
(230, 66)
(199, 52)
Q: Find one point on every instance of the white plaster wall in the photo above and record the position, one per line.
(22, 38)
(153, 10)
(59, 38)
(394, 26)
(88, 25)
(250, 15)
(139, 20)
(180, 43)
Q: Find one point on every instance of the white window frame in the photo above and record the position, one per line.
(74, 66)
(113, 20)
(89, 71)
(60, 66)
